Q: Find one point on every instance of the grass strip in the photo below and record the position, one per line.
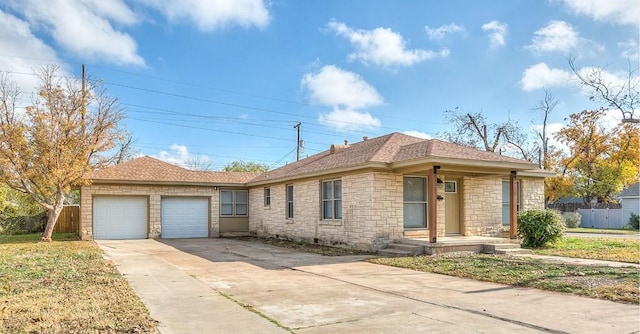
(615, 284)
(607, 249)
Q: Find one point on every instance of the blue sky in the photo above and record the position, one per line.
(225, 80)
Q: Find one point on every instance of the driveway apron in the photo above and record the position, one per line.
(309, 293)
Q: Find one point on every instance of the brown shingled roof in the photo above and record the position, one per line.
(387, 150)
(147, 169)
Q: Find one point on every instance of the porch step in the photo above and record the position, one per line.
(398, 249)
(504, 248)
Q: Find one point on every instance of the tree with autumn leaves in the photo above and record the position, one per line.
(71, 127)
(600, 161)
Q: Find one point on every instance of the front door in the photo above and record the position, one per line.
(452, 205)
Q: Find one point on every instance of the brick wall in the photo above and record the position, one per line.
(154, 195)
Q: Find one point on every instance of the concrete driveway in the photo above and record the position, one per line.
(232, 286)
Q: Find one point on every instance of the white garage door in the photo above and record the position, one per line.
(119, 217)
(185, 217)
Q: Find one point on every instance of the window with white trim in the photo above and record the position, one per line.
(414, 213)
(289, 201)
(267, 196)
(234, 203)
(332, 199)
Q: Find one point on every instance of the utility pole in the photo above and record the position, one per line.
(297, 126)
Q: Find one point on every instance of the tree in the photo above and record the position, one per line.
(611, 93)
(545, 107)
(242, 166)
(600, 161)
(70, 128)
(199, 162)
(472, 130)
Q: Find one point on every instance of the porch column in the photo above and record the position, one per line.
(432, 209)
(513, 205)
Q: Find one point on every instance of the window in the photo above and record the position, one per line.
(332, 199)
(289, 201)
(267, 196)
(506, 205)
(450, 187)
(415, 202)
(234, 203)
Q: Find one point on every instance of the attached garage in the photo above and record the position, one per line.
(120, 217)
(185, 217)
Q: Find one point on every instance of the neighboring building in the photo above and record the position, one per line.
(630, 200)
(362, 195)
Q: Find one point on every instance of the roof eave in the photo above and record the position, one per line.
(378, 165)
(524, 166)
(167, 183)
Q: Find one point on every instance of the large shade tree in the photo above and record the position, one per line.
(70, 127)
(600, 161)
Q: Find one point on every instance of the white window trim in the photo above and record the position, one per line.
(332, 199)
(426, 201)
(289, 202)
(267, 196)
(234, 203)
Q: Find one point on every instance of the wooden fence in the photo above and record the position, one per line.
(601, 218)
(69, 220)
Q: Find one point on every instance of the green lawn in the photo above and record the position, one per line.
(601, 230)
(64, 287)
(615, 284)
(608, 249)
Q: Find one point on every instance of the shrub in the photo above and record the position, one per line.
(634, 221)
(538, 227)
(571, 219)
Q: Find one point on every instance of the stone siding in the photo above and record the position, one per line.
(532, 194)
(371, 212)
(482, 201)
(154, 195)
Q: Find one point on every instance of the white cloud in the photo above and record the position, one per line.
(332, 86)
(179, 155)
(540, 75)
(85, 27)
(625, 12)
(418, 134)
(443, 30)
(556, 36)
(497, 32)
(346, 92)
(382, 47)
(560, 36)
(344, 120)
(630, 49)
(209, 15)
(23, 52)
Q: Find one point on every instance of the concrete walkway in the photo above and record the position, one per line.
(182, 282)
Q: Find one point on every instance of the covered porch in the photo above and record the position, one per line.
(442, 202)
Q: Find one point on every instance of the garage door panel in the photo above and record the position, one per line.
(185, 217)
(119, 217)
